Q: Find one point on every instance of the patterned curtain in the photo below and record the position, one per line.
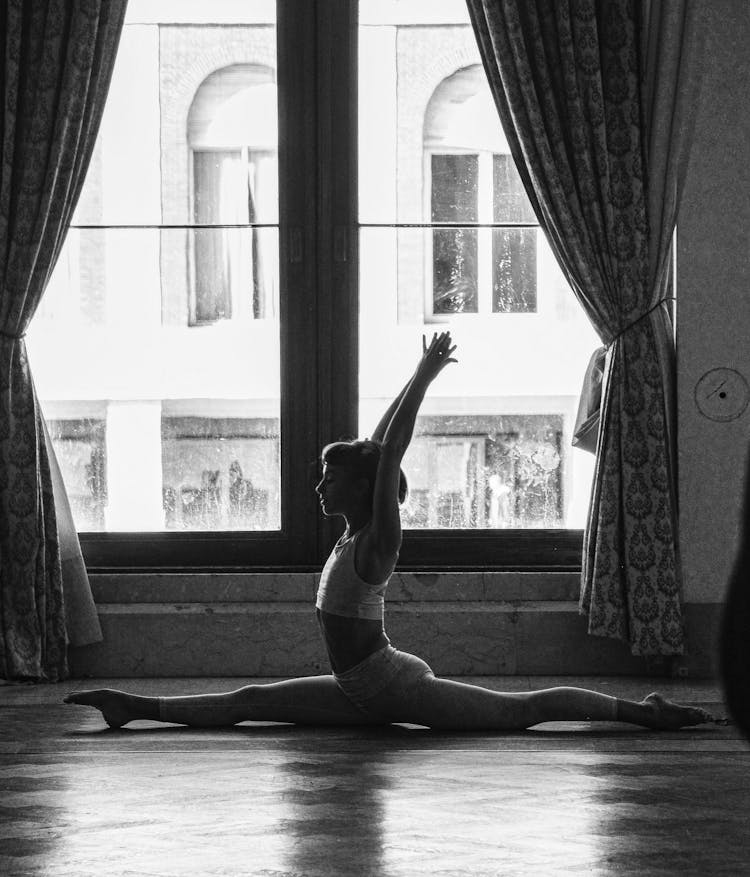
(595, 97)
(57, 59)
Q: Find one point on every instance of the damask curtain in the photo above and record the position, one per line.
(595, 97)
(57, 60)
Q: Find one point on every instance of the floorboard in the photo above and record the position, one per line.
(264, 799)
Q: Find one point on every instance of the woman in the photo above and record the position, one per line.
(373, 683)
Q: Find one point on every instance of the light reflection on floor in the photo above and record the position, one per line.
(398, 802)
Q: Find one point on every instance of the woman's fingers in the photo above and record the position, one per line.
(440, 346)
(445, 344)
(425, 347)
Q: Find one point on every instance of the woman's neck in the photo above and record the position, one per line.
(356, 521)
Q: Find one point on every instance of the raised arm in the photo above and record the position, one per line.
(386, 521)
(382, 426)
(435, 357)
(385, 420)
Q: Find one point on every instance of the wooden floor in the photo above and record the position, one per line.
(76, 799)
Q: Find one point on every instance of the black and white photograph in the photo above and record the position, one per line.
(374, 438)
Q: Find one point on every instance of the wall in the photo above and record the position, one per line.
(713, 308)
(263, 624)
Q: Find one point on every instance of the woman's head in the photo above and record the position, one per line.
(358, 462)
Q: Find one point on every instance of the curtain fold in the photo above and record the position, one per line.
(596, 100)
(81, 618)
(57, 60)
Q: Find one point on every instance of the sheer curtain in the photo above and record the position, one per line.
(57, 60)
(596, 99)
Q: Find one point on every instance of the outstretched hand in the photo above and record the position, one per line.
(436, 355)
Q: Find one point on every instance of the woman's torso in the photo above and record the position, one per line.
(350, 640)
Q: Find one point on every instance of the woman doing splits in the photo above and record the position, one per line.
(372, 682)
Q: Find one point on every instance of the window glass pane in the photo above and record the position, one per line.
(234, 273)
(156, 347)
(454, 251)
(81, 455)
(492, 446)
(514, 270)
(510, 201)
(513, 249)
(188, 72)
(454, 271)
(497, 471)
(454, 188)
(219, 473)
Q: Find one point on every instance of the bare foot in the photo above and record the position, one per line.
(668, 716)
(114, 705)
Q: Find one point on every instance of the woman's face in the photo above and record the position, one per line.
(336, 490)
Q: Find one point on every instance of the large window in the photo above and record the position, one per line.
(163, 313)
(215, 317)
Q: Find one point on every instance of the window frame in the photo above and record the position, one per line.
(318, 280)
(295, 545)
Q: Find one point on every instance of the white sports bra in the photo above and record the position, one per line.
(342, 591)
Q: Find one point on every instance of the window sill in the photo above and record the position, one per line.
(422, 551)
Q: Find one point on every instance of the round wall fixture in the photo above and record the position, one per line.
(722, 394)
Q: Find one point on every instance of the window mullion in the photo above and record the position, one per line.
(298, 261)
(337, 236)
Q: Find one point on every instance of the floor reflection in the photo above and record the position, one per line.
(488, 812)
(334, 814)
(280, 800)
(685, 813)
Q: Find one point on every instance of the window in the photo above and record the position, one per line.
(513, 247)
(235, 190)
(309, 189)
(473, 181)
(164, 311)
(455, 257)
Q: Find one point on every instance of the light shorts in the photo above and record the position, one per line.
(387, 669)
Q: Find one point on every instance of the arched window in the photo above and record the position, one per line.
(232, 136)
(471, 178)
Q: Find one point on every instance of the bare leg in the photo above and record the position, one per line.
(310, 700)
(447, 705)
(437, 703)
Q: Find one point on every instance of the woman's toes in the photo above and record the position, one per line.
(671, 716)
(113, 705)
